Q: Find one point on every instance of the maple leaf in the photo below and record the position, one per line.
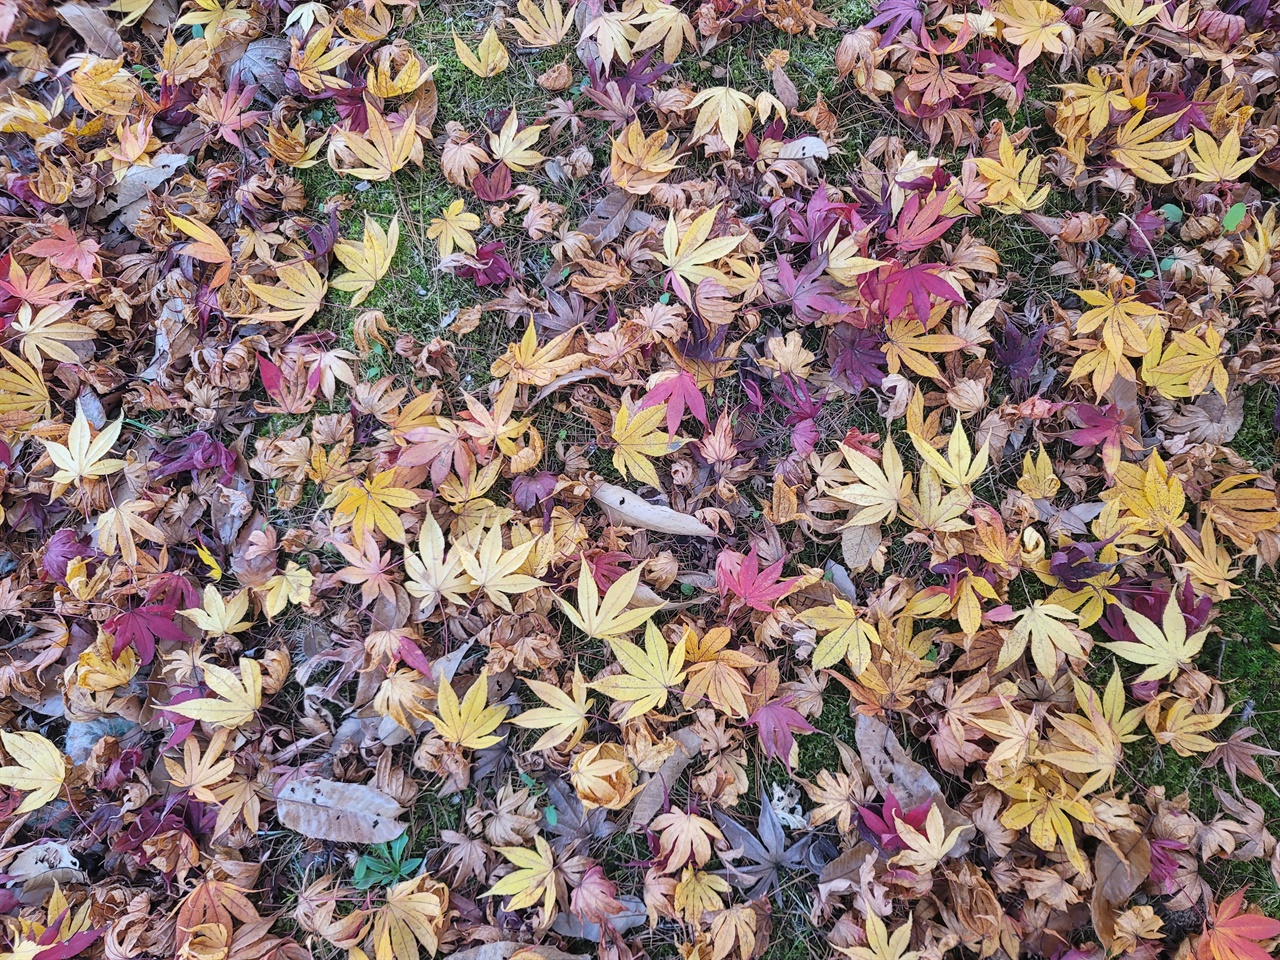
(610, 618)
(775, 724)
(1013, 180)
(367, 260)
(292, 585)
(1048, 812)
(490, 57)
(847, 635)
(381, 150)
(514, 147)
(665, 24)
(1237, 755)
(1042, 626)
(542, 27)
(961, 467)
(199, 773)
(742, 576)
(564, 717)
(218, 617)
(24, 398)
(433, 575)
(637, 438)
(533, 880)
(453, 228)
(1105, 426)
(296, 298)
(141, 627)
(765, 851)
(1137, 150)
(684, 838)
(237, 699)
(1165, 649)
(415, 913)
(373, 504)
(678, 390)
(638, 163)
(1182, 728)
(1214, 162)
(881, 945)
(66, 251)
(469, 724)
(368, 567)
(207, 247)
(83, 458)
(689, 257)
(649, 674)
(613, 33)
(118, 526)
(716, 673)
(1034, 26)
(1231, 934)
(526, 362)
(45, 333)
(39, 769)
(883, 488)
(493, 569)
(723, 109)
(925, 849)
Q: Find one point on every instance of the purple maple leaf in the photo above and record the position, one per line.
(856, 358)
(775, 724)
(141, 627)
(896, 16)
(809, 293)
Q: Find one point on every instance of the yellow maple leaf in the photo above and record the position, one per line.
(928, 847)
(609, 618)
(1034, 26)
(690, 256)
(961, 467)
(292, 585)
(490, 57)
(218, 617)
(1218, 163)
(650, 673)
(381, 150)
(564, 717)
(83, 458)
(493, 569)
(883, 487)
(881, 945)
(415, 913)
(533, 879)
(39, 768)
(1013, 181)
(469, 724)
(296, 298)
(638, 163)
(1165, 649)
(846, 635)
(542, 27)
(515, 147)
(725, 110)
(368, 259)
(1137, 150)
(637, 437)
(526, 362)
(1042, 625)
(373, 504)
(453, 228)
(237, 700)
(434, 575)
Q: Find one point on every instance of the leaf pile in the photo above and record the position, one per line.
(811, 522)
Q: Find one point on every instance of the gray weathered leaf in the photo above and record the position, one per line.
(629, 508)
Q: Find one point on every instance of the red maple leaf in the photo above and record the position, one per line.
(66, 251)
(1230, 934)
(743, 577)
(678, 392)
(775, 723)
(915, 285)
